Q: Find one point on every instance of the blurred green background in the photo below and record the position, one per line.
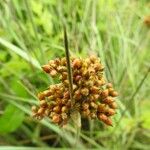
(31, 33)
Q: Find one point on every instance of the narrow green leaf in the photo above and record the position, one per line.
(20, 52)
(11, 119)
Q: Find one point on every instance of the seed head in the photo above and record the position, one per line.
(93, 98)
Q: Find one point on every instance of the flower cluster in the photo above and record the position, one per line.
(93, 97)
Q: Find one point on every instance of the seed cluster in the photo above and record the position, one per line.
(93, 97)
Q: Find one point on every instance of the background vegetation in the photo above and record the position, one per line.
(31, 33)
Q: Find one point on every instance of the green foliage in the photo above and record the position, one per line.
(31, 33)
(11, 119)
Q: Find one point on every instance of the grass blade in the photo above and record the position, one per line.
(20, 52)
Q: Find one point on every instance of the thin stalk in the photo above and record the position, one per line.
(74, 114)
(69, 70)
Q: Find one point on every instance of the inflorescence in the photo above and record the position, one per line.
(93, 97)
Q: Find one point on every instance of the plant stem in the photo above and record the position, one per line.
(69, 70)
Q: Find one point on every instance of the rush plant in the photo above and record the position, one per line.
(82, 88)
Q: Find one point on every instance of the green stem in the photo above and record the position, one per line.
(69, 70)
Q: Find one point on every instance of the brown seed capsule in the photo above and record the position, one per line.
(102, 117)
(114, 94)
(110, 112)
(64, 76)
(47, 93)
(43, 103)
(64, 109)
(80, 82)
(109, 85)
(34, 109)
(51, 114)
(93, 115)
(57, 109)
(50, 107)
(85, 73)
(94, 90)
(103, 81)
(66, 82)
(77, 78)
(104, 93)
(101, 68)
(53, 65)
(108, 100)
(58, 101)
(64, 101)
(62, 69)
(57, 61)
(51, 62)
(110, 90)
(98, 82)
(108, 122)
(91, 70)
(93, 58)
(87, 61)
(41, 110)
(85, 113)
(93, 105)
(64, 116)
(113, 105)
(89, 83)
(98, 67)
(56, 118)
(47, 112)
(49, 98)
(101, 108)
(53, 73)
(85, 106)
(66, 95)
(76, 63)
(91, 98)
(96, 96)
(84, 91)
(41, 96)
(68, 104)
(74, 87)
(77, 95)
(147, 21)
(46, 68)
(58, 94)
(63, 61)
(105, 119)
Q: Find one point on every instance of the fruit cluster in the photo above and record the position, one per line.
(93, 98)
